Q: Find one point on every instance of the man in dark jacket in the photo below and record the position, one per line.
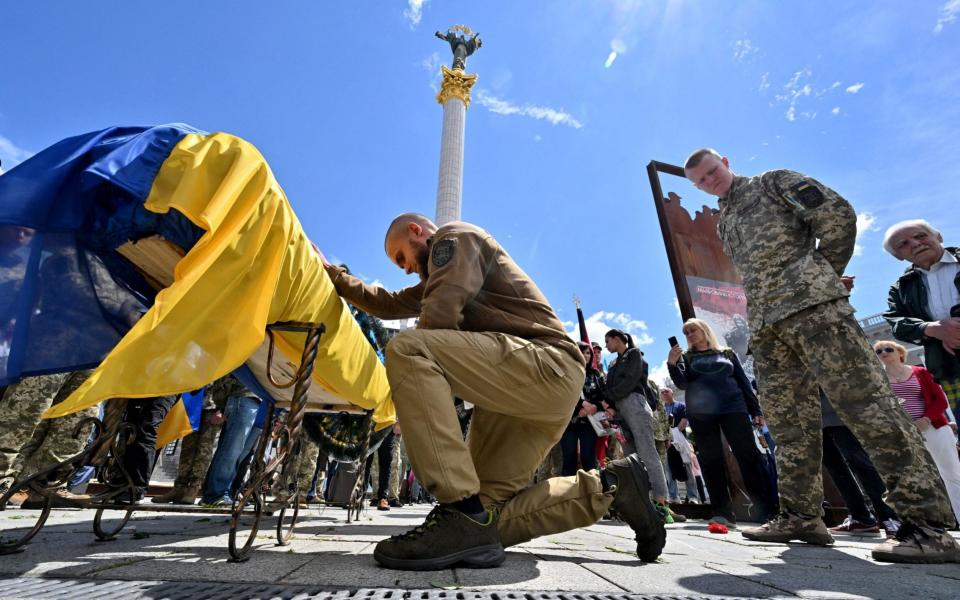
(924, 303)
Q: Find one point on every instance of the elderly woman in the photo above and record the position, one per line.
(720, 399)
(925, 402)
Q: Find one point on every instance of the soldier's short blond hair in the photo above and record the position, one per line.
(898, 227)
(694, 159)
(901, 350)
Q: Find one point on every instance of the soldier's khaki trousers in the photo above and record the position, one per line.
(824, 346)
(524, 394)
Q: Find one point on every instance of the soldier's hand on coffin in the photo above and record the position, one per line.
(847, 281)
(674, 355)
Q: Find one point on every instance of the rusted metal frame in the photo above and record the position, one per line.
(654, 168)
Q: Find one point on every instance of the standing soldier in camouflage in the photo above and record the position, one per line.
(486, 334)
(804, 336)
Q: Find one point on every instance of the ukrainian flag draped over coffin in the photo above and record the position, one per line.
(246, 263)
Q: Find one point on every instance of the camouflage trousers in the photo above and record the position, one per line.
(307, 464)
(824, 346)
(27, 442)
(196, 454)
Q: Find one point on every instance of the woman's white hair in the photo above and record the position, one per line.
(898, 227)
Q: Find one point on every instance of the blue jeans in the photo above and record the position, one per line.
(240, 415)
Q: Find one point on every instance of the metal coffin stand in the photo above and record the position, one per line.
(276, 475)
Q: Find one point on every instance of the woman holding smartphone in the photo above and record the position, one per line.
(720, 399)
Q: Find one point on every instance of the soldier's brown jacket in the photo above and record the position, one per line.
(472, 284)
(770, 225)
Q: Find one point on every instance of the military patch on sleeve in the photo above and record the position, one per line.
(442, 252)
(808, 194)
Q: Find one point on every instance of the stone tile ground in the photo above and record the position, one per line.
(328, 552)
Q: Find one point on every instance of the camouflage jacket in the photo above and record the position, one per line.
(770, 225)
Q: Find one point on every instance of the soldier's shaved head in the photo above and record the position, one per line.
(406, 242)
(401, 221)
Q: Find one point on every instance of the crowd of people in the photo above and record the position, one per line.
(487, 338)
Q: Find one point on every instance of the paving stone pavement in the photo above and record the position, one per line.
(328, 552)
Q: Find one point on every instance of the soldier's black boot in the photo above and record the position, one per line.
(448, 537)
(630, 487)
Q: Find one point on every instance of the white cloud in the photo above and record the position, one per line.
(599, 323)
(537, 138)
(660, 375)
(853, 89)
(865, 223)
(617, 47)
(836, 110)
(948, 14)
(743, 50)
(414, 11)
(504, 107)
(11, 155)
(800, 86)
(764, 82)
(431, 65)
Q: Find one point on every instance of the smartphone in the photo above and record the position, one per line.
(673, 341)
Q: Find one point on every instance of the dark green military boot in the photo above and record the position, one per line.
(448, 537)
(630, 486)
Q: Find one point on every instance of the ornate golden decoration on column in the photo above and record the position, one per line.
(456, 84)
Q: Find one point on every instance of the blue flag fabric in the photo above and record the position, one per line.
(62, 214)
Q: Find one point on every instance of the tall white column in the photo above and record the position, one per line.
(454, 96)
(450, 182)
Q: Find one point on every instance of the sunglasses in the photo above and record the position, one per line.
(887, 350)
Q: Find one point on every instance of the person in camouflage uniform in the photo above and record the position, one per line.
(28, 443)
(804, 335)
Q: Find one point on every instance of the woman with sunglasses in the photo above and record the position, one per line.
(719, 400)
(580, 431)
(925, 401)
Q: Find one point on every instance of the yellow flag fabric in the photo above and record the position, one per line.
(253, 266)
(175, 426)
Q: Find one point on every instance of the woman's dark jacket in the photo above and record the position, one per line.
(715, 383)
(907, 315)
(593, 387)
(626, 376)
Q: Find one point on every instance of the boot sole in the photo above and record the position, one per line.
(651, 546)
(480, 557)
(926, 559)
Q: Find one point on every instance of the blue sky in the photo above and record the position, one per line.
(573, 100)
